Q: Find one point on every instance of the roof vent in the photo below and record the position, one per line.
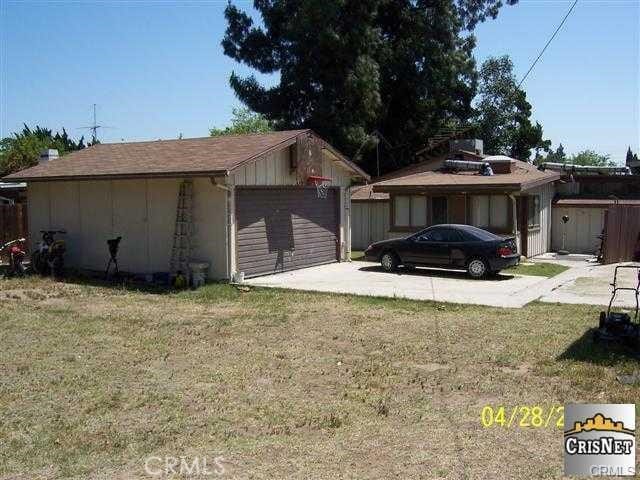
(48, 155)
(464, 165)
(473, 145)
(501, 163)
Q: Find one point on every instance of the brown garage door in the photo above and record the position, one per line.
(281, 229)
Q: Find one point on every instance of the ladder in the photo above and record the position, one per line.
(181, 250)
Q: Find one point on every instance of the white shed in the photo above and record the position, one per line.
(255, 204)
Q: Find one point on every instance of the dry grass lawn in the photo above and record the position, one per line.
(286, 384)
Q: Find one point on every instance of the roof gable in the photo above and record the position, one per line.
(164, 158)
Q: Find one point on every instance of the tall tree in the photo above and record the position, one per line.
(22, 149)
(558, 156)
(244, 121)
(629, 157)
(349, 67)
(503, 114)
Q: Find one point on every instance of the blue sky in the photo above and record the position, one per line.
(156, 69)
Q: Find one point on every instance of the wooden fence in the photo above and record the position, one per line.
(13, 222)
(622, 230)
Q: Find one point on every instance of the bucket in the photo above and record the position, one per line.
(198, 273)
(238, 278)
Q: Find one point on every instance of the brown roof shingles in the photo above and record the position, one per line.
(163, 158)
(523, 177)
(366, 193)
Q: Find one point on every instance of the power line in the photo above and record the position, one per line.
(548, 43)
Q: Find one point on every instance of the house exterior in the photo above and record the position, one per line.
(582, 233)
(255, 208)
(516, 200)
(584, 198)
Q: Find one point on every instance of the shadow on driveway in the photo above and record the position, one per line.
(430, 272)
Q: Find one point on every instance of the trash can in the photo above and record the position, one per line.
(198, 273)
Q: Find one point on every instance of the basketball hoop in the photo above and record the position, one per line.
(322, 185)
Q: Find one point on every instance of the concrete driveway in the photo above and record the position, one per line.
(582, 283)
(364, 278)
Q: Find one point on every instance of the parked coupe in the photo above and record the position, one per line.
(477, 251)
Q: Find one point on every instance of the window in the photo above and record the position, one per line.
(418, 211)
(490, 211)
(452, 236)
(402, 211)
(534, 211)
(441, 235)
(409, 211)
(474, 234)
(438, 210)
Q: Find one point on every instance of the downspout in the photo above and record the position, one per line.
(514, 218)
(347, 223)
(229, 190)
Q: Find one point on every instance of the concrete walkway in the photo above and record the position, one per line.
(591, 285)
(586, 283)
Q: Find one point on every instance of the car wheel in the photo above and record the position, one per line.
(389, 261)
(477, 268)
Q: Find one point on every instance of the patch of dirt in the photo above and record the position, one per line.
(522, 369)
(423, 367)
(38, 294)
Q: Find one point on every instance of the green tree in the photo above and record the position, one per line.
(589, 157)
(244, 121)
(558, 156)
(503, 114)
(22, 149)
(348, 67)
(630, 157)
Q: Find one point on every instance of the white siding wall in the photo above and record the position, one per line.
(539, 240)
(275, 169)
(271, 169)
(209, 216)
(143, 212)
(583, 228)
(370, 223)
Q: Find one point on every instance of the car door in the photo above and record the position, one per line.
(431, 248)
(458, 247)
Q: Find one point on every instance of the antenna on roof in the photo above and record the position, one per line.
(94, 127)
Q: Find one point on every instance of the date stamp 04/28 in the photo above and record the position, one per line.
(523, 416)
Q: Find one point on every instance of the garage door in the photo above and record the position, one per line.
(284, 229)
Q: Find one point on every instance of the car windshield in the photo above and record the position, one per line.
(479, 234)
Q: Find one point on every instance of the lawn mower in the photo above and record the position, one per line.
(619, 327)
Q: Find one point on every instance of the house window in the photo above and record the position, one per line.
(490, 212)
(410, 211)
(438, 210)
(534, 211)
